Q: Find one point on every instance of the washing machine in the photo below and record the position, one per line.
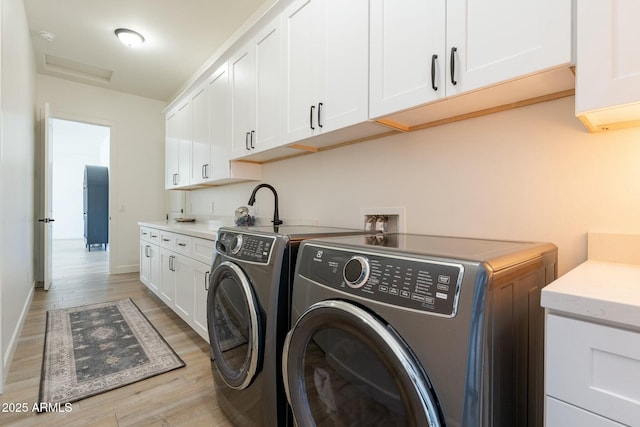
(248, 317)
(414, 330)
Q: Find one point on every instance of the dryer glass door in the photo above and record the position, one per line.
(343, 366)
(234, 324)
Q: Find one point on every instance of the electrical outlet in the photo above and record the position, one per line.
(384, 220)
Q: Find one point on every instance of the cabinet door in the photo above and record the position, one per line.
(242, 81)
(499, 40)
(200, 143)
(172, 149)
(219, 118)
(268, 87)
(405, 36)
(167, 277)
(184, 293)
(155, 276)
(201, 288)
(608, 72)
(302, 27)
(344, 88)
(184, 157)
(145, 263)
(178, 147)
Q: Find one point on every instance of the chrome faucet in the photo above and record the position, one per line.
(276, 218)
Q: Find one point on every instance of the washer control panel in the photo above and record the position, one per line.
(246, 247)
(421, 284)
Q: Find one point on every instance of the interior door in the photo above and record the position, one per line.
(47, 217)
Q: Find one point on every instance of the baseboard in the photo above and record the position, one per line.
(122, 269)
(13, 342)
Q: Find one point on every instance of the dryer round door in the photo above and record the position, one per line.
(343, 366)
(235, 332)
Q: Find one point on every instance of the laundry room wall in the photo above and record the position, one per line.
(137, 156)
(532, 173)
(17, 147)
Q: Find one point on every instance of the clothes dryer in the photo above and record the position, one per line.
(412, 330)
(248, 317)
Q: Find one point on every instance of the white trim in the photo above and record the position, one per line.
(13, 342)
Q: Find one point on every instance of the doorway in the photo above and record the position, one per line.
(76, 145)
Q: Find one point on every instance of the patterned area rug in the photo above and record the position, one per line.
(99, 347)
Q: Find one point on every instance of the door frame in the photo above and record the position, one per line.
(40, 191)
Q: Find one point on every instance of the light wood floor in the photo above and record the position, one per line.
(184, 397)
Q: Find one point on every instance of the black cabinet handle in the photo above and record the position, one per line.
(319, 112)
(182, 244)
(453, 65)
(253, 132)
(206, 281)
(433, 72)
(246, 141)
(313, 107)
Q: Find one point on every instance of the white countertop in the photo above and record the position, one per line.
(600, 290)
(204, 230)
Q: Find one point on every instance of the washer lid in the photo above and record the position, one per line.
(342, 364)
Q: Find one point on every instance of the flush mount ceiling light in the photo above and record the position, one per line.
(129, 37)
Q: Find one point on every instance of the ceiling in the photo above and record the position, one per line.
(180, 37)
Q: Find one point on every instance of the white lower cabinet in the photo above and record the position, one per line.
(167, 276)
(592, 373)
(201, 288)
(560, 413)
(177, 270)
(150, 259)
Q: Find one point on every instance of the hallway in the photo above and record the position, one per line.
(182, 397)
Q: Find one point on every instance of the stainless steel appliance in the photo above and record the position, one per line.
(248, 318)
(417, 330)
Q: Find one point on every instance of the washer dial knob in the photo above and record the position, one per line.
(236, 244)
(356, 271)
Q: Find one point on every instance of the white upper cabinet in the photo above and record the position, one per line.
(220, 122)
(200, 142)
(608, 64)
(256, 87)
(326, 66)
(407, 54)
(178, 147)
(425, 51)
(492, 41)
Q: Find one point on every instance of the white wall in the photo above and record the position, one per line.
(17, 147)
(75, 145)
(532, 173)
(137, 156)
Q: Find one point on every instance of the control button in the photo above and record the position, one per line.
(442, 287)
(444, 279)
(430, 300)
(236, 244)
(418, 297)
(393, 291)
(356, 271)
(405, 294)
(384, 289)
(441, 295)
